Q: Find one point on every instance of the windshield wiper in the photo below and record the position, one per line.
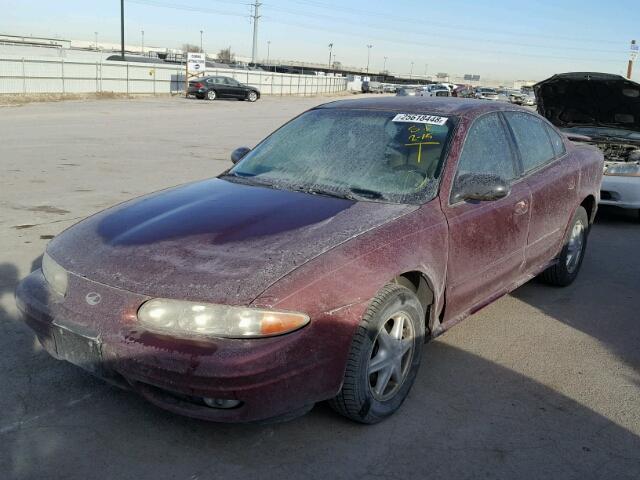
(357, 192)
(248, 179)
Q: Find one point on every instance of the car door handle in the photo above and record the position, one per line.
(521, 207)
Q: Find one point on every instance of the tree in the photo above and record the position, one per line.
(226, 55)
(187, 47)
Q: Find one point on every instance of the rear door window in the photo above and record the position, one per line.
(487, 149)
(531, 138)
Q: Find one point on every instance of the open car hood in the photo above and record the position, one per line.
(589, 99)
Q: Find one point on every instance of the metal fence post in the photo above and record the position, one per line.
(24, 78)
(127, 64)
(62, 71)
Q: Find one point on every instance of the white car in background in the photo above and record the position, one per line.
(602, 110)
(435, 90)
(483, 93)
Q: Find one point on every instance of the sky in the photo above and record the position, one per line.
(515, 40)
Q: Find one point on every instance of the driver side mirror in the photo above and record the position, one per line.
(479, 187)
(239, 153)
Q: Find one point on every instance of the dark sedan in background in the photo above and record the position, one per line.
(212, 88)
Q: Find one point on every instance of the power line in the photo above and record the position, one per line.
(430, 35)
(448, 25)
(176, 6)
(440, 46)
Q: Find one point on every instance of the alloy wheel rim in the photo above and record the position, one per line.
(253, 96)
(211, 94)
(391, 357)
(574, 246)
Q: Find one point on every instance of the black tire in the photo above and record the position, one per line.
(564, 272)
(356, 399)
(211, 95)
(252, 97)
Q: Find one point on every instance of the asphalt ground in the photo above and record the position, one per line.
(544, 383)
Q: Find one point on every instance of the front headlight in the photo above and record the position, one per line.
(177, 317)
(56, 276)
(623, 169)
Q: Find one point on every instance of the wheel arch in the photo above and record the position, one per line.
(422, 286)
(591, 206)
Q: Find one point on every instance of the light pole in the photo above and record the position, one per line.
(426, 66)
(411, 73)
(384, 65)
(334, 60)
(268, 50)
(122, 29)
(369, 47)
(96, 36)
(330, 51)
(201, 32)
(142, 43)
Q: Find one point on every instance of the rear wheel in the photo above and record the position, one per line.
(211, 95)
(384, 357)
(566, 270)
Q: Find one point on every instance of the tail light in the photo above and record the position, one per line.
(198, 85)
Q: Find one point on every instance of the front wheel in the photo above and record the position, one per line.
(252, 97)
(384, 357)
(211, 95)
(565, 271)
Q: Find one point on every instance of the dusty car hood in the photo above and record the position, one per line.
(212, 240)
(598, 99)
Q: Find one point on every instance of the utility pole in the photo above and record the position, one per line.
(256, 16)
(369, 47)
(142, 43)
(330, 50)
(632, 56)
(201, 32)
(122, 29)
(268, 50)
(411, 73)
(426, 66)
(96, 36)
(384, 65)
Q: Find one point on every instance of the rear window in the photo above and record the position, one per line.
(531, 138)
(556, 142)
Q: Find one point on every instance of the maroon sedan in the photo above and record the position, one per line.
(317, 267)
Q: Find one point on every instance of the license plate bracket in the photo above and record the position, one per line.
(84, 352)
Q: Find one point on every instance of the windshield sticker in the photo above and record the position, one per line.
(415, 118)
(419, 136)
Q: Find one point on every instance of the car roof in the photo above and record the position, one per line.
(439, 105)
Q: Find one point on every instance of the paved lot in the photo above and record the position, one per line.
(544, 383)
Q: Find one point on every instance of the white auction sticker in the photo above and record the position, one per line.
(415, 118)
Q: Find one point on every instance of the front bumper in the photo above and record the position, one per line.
(271, 377)
(620, 191)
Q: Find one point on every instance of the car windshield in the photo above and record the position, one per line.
(358, 154)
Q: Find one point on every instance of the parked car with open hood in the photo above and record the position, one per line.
(605, 109)
(319, 264)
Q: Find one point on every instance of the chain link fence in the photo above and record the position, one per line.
(25, 76)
